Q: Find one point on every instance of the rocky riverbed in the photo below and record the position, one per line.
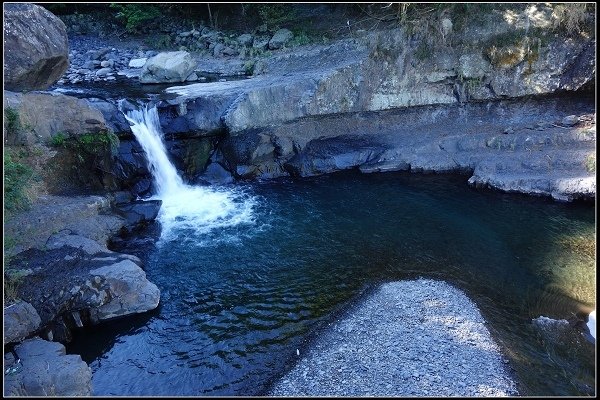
(408, 338)
(376, 101)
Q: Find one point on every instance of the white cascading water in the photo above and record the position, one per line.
(185, 209)
(591, 324)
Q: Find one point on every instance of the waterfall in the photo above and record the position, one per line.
(188, 212)
(145, 125)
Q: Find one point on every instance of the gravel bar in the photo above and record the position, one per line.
(409, 338)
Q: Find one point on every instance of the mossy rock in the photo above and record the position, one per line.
(506, 57)
(197, 154)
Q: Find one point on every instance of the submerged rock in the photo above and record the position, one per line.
(36, 50)
(44, 369)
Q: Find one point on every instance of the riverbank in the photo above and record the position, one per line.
(409, 338)
(522, 123)
(351, 108)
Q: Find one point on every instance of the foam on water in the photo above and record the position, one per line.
(591, 324)
(193, 212)
(186, 211)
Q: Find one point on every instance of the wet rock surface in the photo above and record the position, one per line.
(408, 338)
(540, 156)
(138, 214)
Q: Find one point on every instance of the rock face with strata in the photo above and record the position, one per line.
(174, 66)
(381, 72)
(363, 99)
(44, 369)
(35, 47)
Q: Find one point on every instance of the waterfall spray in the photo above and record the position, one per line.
(187, 212)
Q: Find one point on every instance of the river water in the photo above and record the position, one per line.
(238, 298)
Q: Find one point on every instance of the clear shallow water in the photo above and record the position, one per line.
(239, 299)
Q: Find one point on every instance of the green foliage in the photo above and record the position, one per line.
(58, 139)
(12, 280)
(569, 17)
(275, 15)
(16, 178)
(300, 38)
(135, 15)
(197, 154)
(590, 163)
(249, 67)
(12, 122)
(97, 143)
(11, 288)
(511, 48)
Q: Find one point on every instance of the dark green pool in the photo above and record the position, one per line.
(237, 302)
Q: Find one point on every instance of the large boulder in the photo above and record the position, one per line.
(44, 369)
(43, 115)
(20, 320)
(129, 291)
(36, 50)
(280, 39)
(76, 280)
(174, 66)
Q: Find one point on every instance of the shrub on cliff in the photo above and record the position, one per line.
(16, 178)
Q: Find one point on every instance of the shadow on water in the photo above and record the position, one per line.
(235, 309)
